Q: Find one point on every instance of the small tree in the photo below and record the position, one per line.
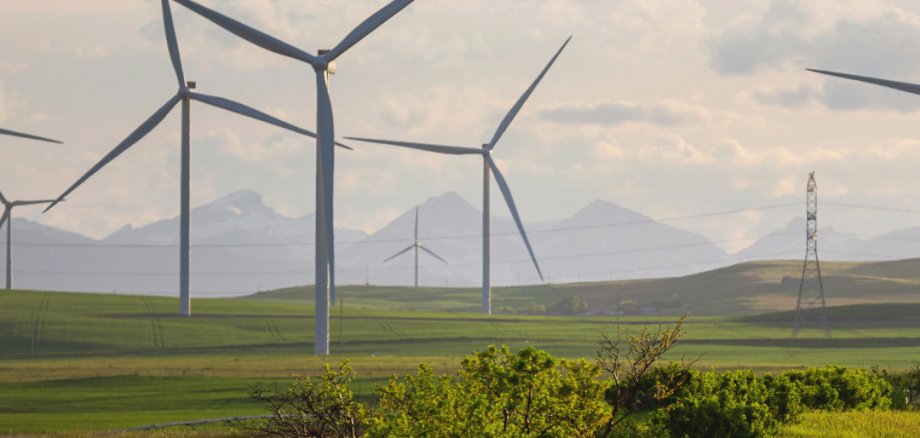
(630, 362)
(311, 409)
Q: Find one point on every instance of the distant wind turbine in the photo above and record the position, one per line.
(417, 245)
(184, 95)
(323, 65)
(24, 135)
(489, 166)
(8, 217)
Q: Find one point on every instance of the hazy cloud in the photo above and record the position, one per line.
(851, 35)
(13, 67)
(796, 96)
(673, 149)
(616, 112)
(836, 94)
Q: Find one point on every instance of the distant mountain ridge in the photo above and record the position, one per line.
(241, 245)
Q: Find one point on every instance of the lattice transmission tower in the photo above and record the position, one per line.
(810, 304)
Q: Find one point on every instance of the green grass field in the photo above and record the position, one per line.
(99, 362)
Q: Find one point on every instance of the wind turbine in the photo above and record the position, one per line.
(489, 167)
(184, 95)
(8, 216)
(903, 86)
(24, 135)
(323, 64)
(417, 245)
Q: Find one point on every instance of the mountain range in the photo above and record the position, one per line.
(240, 245)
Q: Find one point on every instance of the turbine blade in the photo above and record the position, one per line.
(399, 253)
(903, 86)
(520, 103)
(3, 199)
(6, 215)
(21, 203)
(366, 27)
(344, 146)
(433, 254)
(453, 150)
(172, 43)
(129, 141)
(30, 136)
(326, 143)
(250, 112)
(416, 224)
(250, 34)
(503, 185)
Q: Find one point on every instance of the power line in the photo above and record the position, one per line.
(392, 268)
(375, 241)
(870, 207)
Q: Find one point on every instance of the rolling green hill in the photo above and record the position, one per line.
(95, 362)
(741, 289)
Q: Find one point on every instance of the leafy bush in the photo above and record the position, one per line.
(311, 409)
(905, 387)
(734, 403)
(784, 397)
(496, 393)
(834, 388)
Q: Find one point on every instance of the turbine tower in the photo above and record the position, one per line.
(807, 303)
(8, 219)
(184, 95)
(322, 64)
(489, 167)
(417, 245)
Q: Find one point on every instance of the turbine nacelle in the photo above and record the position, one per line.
(185, 91)
(323, 64)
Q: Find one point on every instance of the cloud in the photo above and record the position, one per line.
(14, 67)
(4, 111)
(608, 148)
(859, 36)
(836, 94)
(9, 104)
(796, 96)
(673, 149)
(272, 153)
(852, 36)
(606, 112)
(92, 51)
(844, 34)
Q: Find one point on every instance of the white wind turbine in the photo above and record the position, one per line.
(416, 245)
(489, 167)
(323, 65)
(184, 95)
(8, 217)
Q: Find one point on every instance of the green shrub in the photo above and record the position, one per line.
(905, 386)
(734, 403)
(496, 393)
(656, 388)
(834, 388)
(784, 397)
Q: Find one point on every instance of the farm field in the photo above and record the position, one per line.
(100, 362)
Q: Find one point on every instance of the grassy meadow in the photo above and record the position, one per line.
(100, 362)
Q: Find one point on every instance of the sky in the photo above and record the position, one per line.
(670, 108)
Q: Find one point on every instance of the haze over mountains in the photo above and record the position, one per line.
(240, 245)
